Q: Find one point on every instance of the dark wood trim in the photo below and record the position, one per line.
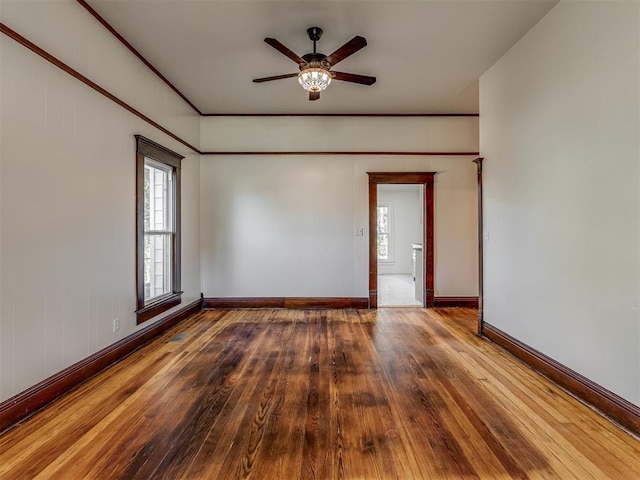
(401, 177)
(286, 302)
(33, 399)
(330, 152)
(139, 230)
(427, 180)
(382, 115)
(478, 162)
(615, 407)
(154, 150)
(466, 302)
(176, 239)
(149, 311)
(74, 73)
(333, 303)
(243, 302)
(122, 40)
(373, 251)
(429, 241)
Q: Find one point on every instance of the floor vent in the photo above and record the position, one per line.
(178, 337)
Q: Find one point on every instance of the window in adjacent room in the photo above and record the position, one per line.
(384, 233)
(158, 228)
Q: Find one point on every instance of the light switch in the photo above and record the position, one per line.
(359, 232)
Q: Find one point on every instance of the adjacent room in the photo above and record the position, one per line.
(356, 239)
(399, 245)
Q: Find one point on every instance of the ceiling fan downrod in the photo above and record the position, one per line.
(315, 33)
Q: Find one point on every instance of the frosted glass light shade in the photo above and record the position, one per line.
(314, 79)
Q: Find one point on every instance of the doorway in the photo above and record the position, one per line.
(399, 245)
(426, 180)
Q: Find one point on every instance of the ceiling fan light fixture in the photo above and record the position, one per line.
(315, 73)
(314, 79)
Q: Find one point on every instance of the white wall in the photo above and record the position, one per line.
(67, 191)
(406, 227)
(559, 131)
(339, 134)
(284, 225)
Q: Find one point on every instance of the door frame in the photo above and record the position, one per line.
(426, 179)
(478, 161)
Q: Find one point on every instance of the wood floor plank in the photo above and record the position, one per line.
(320, 394)
(364, 407)
(380, 407)
(316, 449)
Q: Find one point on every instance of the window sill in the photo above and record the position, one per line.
(157, 307)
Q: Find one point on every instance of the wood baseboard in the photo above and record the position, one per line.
(33, 399)
(467, 302)
(320, 302)
(287, 302)
(610, 404)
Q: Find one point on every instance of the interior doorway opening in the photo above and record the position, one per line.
(424, 179)
(399, 231)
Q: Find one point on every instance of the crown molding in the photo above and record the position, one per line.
(375, 115)
(130, 47)
(334, 152)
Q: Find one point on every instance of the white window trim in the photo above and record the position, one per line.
(391, 259)
(169, 231)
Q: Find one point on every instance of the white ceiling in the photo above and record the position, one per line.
(427, 55)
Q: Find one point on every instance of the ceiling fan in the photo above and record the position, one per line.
(315, 68)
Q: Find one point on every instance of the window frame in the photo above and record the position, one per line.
(390, 257)
(148, 309)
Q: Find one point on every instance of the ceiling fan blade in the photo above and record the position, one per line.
(314, 95)
(277, 77)
(349, 48)
(354, 78)
(284, 50)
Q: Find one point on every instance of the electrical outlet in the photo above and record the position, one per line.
(116, 325)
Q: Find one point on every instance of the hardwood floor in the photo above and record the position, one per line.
(325, 394)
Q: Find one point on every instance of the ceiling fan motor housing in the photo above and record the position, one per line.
(316, 60)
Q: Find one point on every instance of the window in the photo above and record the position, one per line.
(158, 228)
(384, 233)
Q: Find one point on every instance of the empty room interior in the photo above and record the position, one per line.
(356, 239)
